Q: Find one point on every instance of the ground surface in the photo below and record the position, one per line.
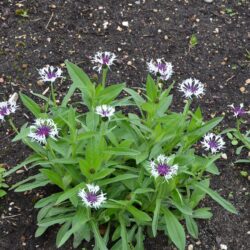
(75, 30)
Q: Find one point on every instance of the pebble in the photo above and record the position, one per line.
(223, 247)
(190, 247)
(216, 31)
(119, 28)
(224, 156)
(208, 1)
(125, 23)
(242, 89)
(198, 242)
(166, 37)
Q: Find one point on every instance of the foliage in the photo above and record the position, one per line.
(2, 182)
(115, 154)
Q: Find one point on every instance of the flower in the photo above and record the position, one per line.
(238, 111)
(192, 87)
(213, 142)
(91, 198)
(50, 73)
(8, 107)
(103, 59)
(162, 167)
(160, 67)
(105, 110)
(42, 129)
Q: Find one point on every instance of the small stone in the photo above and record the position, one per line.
(208, 1)
(125, 23)
(24, 66)
(1, 80)
(248, 232)
(129, 63)
(223, 247)
(165, 37)
(198, 242)
(40, 83)
(119, 49)
(52, 6)
(216, 31)
(190, 247)
(224, 156)
(105, 24)
(247, 81)
(242, 89)
(20, 171)
(159, 30)
(119, 28)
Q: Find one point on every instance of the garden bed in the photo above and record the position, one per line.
(75, 30)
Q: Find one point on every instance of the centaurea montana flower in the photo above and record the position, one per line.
(42, 129)
(213, 142)
(238, 110)
(105, 110)
(92, 196)
(162, 167)
(103, 59)
(160, 68)
(192, 87)
(50, 73)
(8, 107)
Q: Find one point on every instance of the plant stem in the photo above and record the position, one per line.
(104, 76)
(13, 125)
(53, 94)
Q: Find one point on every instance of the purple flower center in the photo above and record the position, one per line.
(43, 131)
(4, 111)
(239, 111)
(105, 59)
(163, 169)
(91, 197)
(162, 66)
(192, 88)
(51, 74)
(213, 144)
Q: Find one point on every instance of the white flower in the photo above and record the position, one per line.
(8, 107)
(238, 111)
(42, 129)
(50, 73)
(162, 167)
(105, 110)
(92, 197)
(191, 87)
(103, 59)
(213, 142)
(160, 67)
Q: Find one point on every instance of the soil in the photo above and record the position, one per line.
(75, 30)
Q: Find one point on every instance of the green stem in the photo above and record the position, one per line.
(104, 76)
(13, 125)
(53, 94)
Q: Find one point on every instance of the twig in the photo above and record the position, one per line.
(10, 216)
(52, 14)
(230, 78)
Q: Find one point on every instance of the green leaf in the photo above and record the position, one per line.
(191, 226)
(214, 195)
(80, 81)
(137, 98)
(122, 151)
(124, 235)
(139, 239)
(109, 93)
(139, 215)
(151, 88)
(54, 177)
(202, 213)
(69, 193)
(175, 229)
(33, 107)
(117, 179)
(80, 219)
(156, 217)
(98, 239)
(62, 218)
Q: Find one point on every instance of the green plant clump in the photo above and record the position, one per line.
(131, 173)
